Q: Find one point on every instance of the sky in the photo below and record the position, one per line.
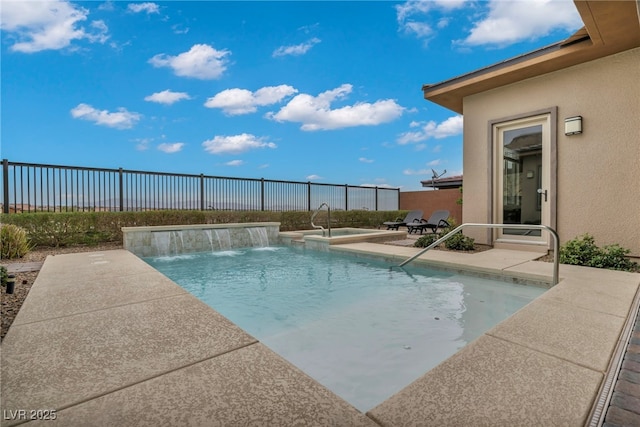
(326, 91)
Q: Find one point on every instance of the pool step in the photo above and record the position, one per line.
(298, 241)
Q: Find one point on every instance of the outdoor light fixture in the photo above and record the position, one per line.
(573, 125)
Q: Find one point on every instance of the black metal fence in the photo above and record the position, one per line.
(29, 187)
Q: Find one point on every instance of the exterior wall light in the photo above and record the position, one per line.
(573, 125)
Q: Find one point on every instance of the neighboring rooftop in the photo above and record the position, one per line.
(440, 183)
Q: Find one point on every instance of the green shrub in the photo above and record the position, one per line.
(584, 251)
(53, 229)
(457, 242)
(426, 240)
(3, 275)
(13, 242)
(460, 242)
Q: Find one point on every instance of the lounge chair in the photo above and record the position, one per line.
(436, 220)
(411, 218)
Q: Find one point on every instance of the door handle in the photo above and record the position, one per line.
(541, 191)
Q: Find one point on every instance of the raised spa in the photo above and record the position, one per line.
(319, 239)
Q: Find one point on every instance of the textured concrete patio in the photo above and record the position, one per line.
(104, 339)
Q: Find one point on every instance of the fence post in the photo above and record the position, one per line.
(262, 194)
(346, 197)
(309, 196)
(121, 189)
(5, 185)
(398, 190)
(377, 189)
(201, 191)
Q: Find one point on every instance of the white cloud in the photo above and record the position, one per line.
(508, 22)
(418, 172)
(432, 164)
(313, 177)
(412, 16)
(48, 25)
(450, 127)
(296, 50)
(377, 185)
(171, 148)
(235, 163)
(201, 62)
(179, 29)
(149, 8)
(167, 97)
(365, 160)
(143, 144)
(122, 119)
(422, 30)
(241, 101)
(315, 113)
(235, 144)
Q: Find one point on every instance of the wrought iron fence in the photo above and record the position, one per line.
(29, 187)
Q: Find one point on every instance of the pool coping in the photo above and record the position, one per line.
(94, 341)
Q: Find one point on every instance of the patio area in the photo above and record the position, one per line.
(104, 339)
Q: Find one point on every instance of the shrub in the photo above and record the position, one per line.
(426, 240)
(13, 242)
(3, 275)
(460, 242)
(584, 251)
(52, 229)
(457, 242)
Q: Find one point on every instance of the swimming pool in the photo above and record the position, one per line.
(362, 330)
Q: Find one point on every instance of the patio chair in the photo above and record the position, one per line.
(411, 218)
(436, 220)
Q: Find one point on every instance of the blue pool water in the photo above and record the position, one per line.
(359, 328)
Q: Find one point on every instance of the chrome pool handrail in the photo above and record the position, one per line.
(556, 242)
(328, 219)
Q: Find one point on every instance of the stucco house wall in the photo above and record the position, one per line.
(598, 171)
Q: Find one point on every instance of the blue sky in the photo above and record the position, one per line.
(305, 91)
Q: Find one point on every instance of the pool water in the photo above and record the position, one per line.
(357, 327)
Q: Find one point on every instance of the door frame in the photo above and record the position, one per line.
(495, 167)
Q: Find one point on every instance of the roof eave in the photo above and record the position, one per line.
(600, 37)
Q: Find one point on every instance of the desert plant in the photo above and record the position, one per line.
(3, 275)
(13, 242)
(460, 242)
(583, 251)
(426, 240)
(457, 242)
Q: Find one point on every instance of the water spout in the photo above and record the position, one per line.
(259, 236)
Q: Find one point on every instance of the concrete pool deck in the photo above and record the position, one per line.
(104, 339)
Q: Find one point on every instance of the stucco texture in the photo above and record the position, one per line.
(598, 171)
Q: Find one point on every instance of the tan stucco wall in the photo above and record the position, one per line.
(598, 174)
